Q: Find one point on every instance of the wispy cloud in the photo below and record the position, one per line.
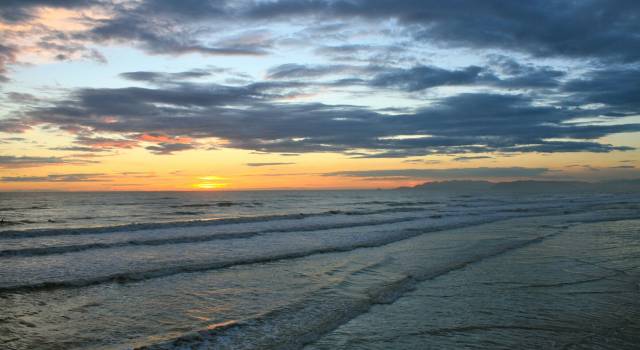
(28, 162)
(96, 177)
(268, 164)
(451, 173)
(169, 148)
(623, 167)
(468, 158)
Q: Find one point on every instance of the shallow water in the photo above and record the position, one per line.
(576, 290)
(289, 276)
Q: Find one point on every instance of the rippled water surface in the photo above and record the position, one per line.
(322, 270)
(577, 290)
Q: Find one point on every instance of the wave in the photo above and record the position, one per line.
(132, 276)
(202, 205)
(190, 223)
(184, 212)
(35, 207)
(198, 238)
(216, 204)
(395, 203)
(340, 242)
(399, 204)
(4, 222)
(304, 322)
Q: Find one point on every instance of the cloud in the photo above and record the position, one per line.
(260, 116)
(170, 27)
(14, 125)
(452, 173)
(165, 148)
(468, 158)
(34, 161)
(294, 70)
(138, 174)
(162, 77)
(341, 50)
(96, 177)
(424, 77)
(538, 28)
(583, 166)
(27, 162)
(218, 27)
(362, 52)
(615, 87)
(7, 56)
(22, 10)
(79, 149)
(158, 37)
(384, 51)
(105, 142)
(420, 78)
(271, 174)
(21, 98)
(517, 74)
(14, 139)
(268, 164)
(422, 161)
(623, 167)
(249, 117)
(569, 146)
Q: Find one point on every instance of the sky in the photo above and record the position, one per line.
(315, 94)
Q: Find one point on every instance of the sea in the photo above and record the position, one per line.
(357, 269)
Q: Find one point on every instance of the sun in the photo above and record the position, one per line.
(209, 186)
(210, 182)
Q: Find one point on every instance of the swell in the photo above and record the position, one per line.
(34, 207)
(38, 251)
(217, 204)
(133, 276)
(322, 312)
(191, 223)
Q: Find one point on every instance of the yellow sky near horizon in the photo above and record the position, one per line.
(227, 169)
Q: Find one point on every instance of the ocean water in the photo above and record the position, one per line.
(384, 269)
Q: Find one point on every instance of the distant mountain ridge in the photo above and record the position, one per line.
(529, 186)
